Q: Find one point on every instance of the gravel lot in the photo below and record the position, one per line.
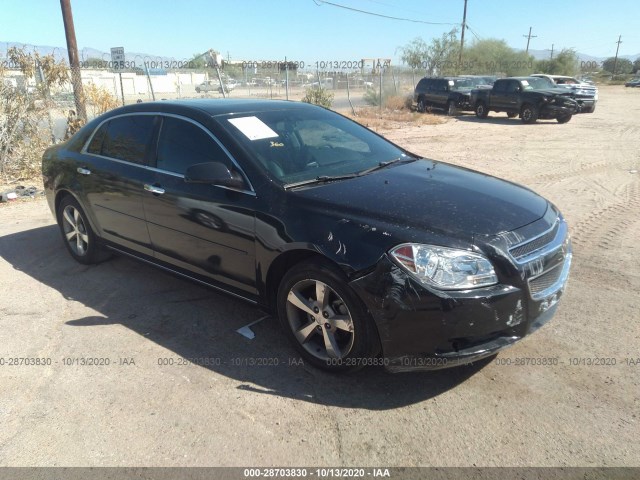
(147, 408)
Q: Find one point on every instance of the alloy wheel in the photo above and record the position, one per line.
(75, 231)
(320, 320)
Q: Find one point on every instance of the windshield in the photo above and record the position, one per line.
(299, 145)
(537, 83)
(462, 83)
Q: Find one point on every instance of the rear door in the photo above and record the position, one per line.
(206, 229)
(113, 178)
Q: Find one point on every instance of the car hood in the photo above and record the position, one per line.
(429, 195)
(551, 91)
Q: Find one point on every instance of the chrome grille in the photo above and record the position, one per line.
(520, 251)
(546, 280)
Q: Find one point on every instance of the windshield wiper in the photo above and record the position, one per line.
(382, 165)
(321, 179)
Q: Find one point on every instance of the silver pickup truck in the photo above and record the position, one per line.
(584, 93)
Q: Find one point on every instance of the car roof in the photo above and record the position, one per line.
(220, 106)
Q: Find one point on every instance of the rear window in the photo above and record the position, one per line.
(125, 138)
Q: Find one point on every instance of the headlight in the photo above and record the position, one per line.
(445, 268)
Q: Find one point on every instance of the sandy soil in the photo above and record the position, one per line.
(580, 412)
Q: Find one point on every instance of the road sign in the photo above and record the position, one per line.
(117, 58)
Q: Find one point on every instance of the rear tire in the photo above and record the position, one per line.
(77, 234)
(512, 115)
(325, 319)
(529, 113)
(481, 110)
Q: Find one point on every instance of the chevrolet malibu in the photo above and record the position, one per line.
(366, 253)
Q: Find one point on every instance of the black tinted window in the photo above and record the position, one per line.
(500, 87)
(183, 144)
(127, 138)
(96, 142)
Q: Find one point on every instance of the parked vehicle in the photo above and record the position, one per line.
(366, 253)
(530, 98)
(635, 82)
(585, 93)
(449, 94)
(208, 86)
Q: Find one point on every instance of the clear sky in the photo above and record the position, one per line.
(309, 30)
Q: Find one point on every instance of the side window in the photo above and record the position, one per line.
(95, 146)
(127, 138)
(512, 86)
(499, 87)
(183, 144)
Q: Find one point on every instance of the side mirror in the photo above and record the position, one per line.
(215, 173)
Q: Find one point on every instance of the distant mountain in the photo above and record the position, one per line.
(582, 57)
(138, 58)
(85, 54)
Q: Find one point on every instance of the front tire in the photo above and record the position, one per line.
(451, 108)
(77, 234)
(422, 105)
(481, 110)
(324, 318)
(564, 119)
(529, 113)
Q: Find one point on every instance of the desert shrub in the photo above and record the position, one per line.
(318, 96)
(100, 99)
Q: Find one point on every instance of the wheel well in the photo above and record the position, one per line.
(282, 265)
(59, 197)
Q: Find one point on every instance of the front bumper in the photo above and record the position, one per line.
(422, 328)
(556, 111)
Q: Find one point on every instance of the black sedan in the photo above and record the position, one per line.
(366, 253)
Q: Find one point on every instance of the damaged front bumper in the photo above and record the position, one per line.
(422, 328)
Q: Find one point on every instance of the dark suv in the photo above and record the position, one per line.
(449, 94)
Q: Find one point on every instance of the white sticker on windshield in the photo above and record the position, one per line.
(253, 128)
(452, 83)
(525, 83)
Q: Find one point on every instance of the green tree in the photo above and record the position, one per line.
(495, 57)
(623, 66)
(636, 66)
(415, 55)
(442, 54)
(565, 63)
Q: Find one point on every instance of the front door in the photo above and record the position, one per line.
(206, 229)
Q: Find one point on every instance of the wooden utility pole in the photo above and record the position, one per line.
(74, 63)
(552, 45)
(529, 37)
(464, 26)
(615, 61)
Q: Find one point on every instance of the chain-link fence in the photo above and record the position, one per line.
(39, 108)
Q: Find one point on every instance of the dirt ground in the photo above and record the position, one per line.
(149, 407)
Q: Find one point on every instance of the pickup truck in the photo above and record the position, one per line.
(584, 93)
(530, 98)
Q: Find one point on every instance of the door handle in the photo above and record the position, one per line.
(83, 171)
(153, 189)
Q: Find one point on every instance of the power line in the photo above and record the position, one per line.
(324, 2)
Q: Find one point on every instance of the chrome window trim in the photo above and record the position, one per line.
(84, 151)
